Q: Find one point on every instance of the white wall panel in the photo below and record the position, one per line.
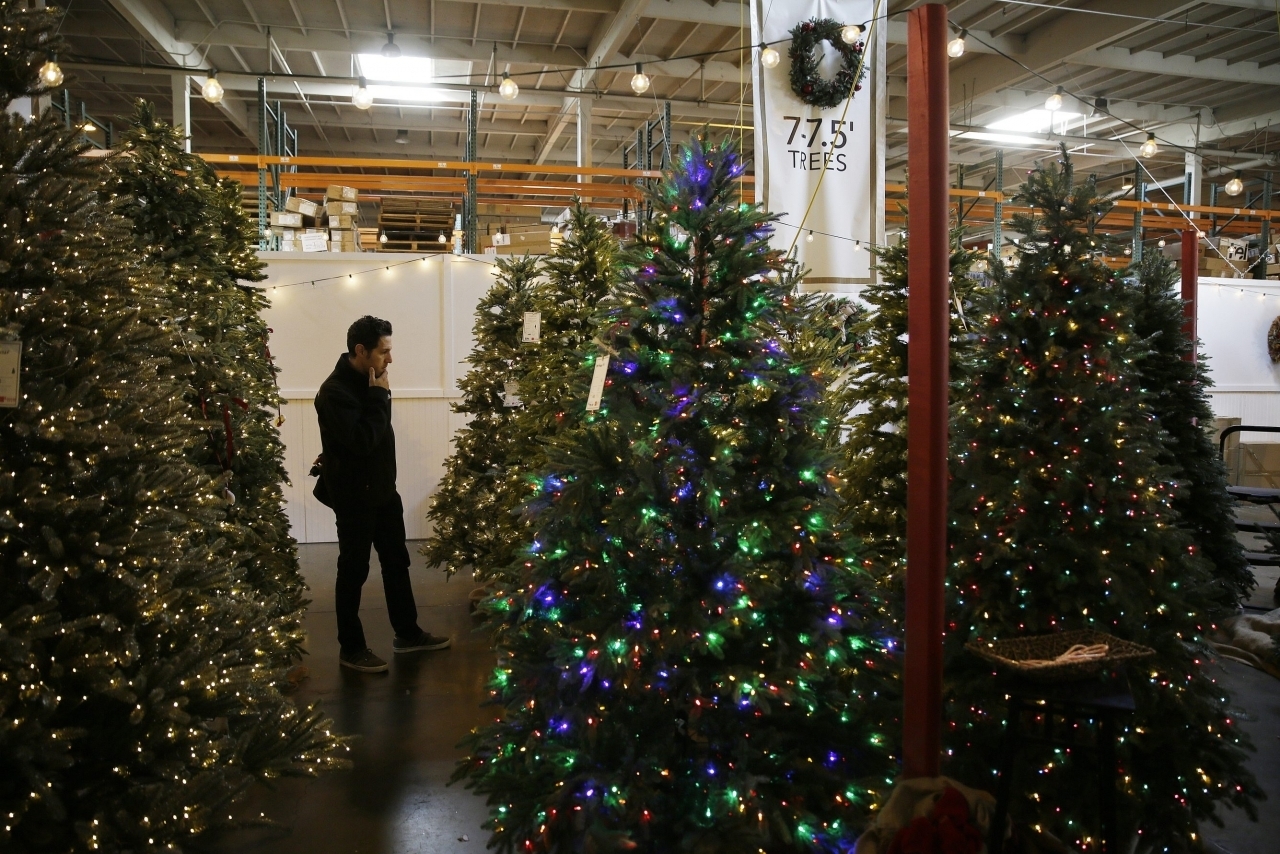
(1233, 318)
(431, 306)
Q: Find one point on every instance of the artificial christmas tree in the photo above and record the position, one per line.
(193, 227)
(137, 703)
(1176, 389)
(1063, 519)
(582, 270)
(817, 332)
(683, 666)
(471, 511)
(874, 405)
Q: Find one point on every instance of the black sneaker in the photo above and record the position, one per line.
(424, 641)
(364, 661)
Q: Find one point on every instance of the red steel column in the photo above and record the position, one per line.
(928, 122)
(1190, 282)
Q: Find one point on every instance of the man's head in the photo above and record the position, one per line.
(369, 344)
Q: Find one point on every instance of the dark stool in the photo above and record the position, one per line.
(1103, 700)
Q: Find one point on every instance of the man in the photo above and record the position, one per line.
(359, 470)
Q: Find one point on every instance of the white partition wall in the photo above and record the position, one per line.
(1234, 316)
(430, 304)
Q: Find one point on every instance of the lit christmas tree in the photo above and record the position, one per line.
(874, 406)
(818, 332)
(193, 226)
(1177, 394)
(471, 511)
(1063, 519)
(137, 702)
(581, 271)
(684, 666)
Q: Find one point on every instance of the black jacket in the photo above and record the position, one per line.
(356, 436)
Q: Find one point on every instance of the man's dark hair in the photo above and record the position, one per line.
(368, 330)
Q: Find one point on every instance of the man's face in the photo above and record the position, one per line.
(379, 358)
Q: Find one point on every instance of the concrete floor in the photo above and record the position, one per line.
(410, 720)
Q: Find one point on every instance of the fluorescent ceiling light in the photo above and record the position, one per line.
(1036, 121)
(999, 137)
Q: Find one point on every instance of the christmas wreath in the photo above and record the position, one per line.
(805, 81)
(1273, 340)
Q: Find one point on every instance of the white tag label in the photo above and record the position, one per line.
(10, 369)
(315, 242)
(597, 383)
(511, 394)
(532, 327)
(502, 240)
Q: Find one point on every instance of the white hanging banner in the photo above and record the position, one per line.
(794, 140)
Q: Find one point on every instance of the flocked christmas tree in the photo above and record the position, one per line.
(471, 511)
(193, 227)
(1063, 519)
(136, 700)
(682, 665)
(1177, 392)
(873, 404)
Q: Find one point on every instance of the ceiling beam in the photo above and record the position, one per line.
(1060, 40)
(604, 44)
(341, 88)
(154, 23)
(1179, 65)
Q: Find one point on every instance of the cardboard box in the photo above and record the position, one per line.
(314, 242)
(290, 245)
(281, 231)
(342, 236)
(341, 208)
(337, 192)
(306, 207)
(346, 222)
(530, 248)
(287, 219)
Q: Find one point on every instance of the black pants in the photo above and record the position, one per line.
(382, 528)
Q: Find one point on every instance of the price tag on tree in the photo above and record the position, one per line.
(597, 383)
(532, 327)
(511, 394)
(10, 369)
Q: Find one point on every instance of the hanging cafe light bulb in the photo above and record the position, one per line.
(809, 237)
(850, 33)
(1054, 102)
(441, 238)
(1149, 148)
(362, 99)
(1235, 186)
(508, 88)
(51, 72)
(212, 90)
(768, 56)
(639, 80)
(955, 47)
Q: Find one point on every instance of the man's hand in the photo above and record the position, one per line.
(383, 381)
